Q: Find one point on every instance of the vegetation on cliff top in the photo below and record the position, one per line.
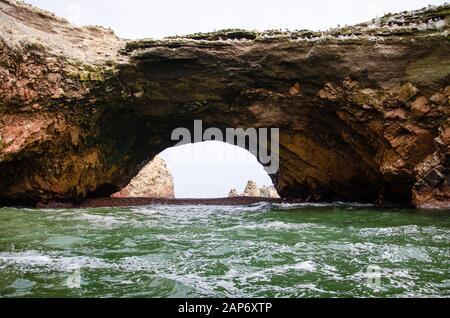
(426, 20)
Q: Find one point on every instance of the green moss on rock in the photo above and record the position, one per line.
(87, 76)
(433, 68)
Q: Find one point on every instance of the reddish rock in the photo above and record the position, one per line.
(295, 90)
(420, 107)
(395, 114)
(438, 98)
(408, 91)
(446, 91)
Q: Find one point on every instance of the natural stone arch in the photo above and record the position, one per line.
(362, 116)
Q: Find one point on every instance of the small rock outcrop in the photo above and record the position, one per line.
(252, 190)
(233, 193)
(153, 181)
(269, 192)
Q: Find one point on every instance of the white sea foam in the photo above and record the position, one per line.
(307, 266)
(274, 225)
(145, 211)
(315, 205)
(397, 254)
(33, 260)
(98, 220)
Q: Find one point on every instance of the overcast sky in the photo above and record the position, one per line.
(205, 170)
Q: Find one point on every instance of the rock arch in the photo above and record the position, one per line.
(362, 110)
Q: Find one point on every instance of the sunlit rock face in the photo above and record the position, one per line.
(252, 190)
(233, 193)
(363, 111)
(153, 181)
(269, 192)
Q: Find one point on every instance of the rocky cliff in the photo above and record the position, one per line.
(154, 180)
(363, 111)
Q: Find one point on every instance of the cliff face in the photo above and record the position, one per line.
(363, 111)
(153, 181)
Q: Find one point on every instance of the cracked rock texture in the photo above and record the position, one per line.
(363, 111)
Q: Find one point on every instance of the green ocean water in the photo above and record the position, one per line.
(210, 251)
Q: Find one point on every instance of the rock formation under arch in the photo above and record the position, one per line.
(154, 180)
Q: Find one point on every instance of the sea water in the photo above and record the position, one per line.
(263, 250)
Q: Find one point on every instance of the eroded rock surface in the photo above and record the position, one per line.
(153, 181)
(363, 111)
